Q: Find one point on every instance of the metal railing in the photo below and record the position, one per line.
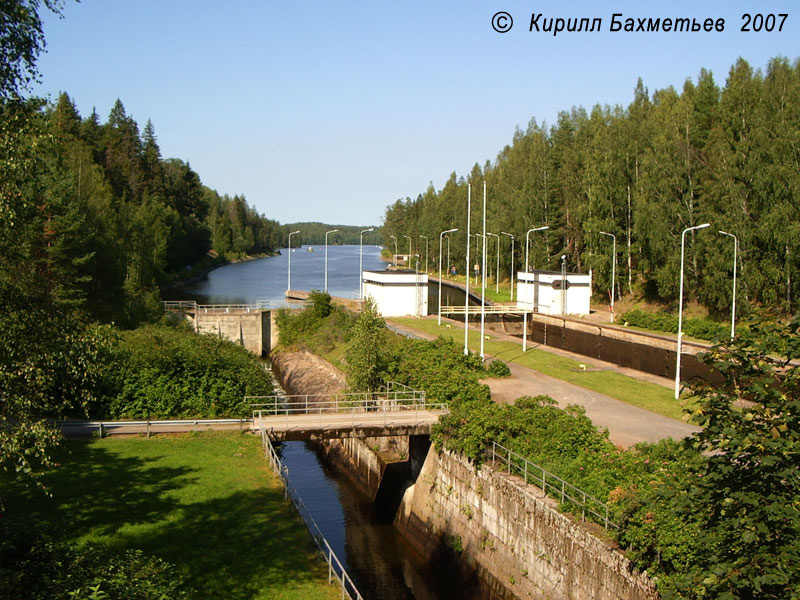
(309, 404)
(396, 396)
(552, 485)
(107, 427)
(179, 305)
(192, 306)
(477, 309)
(335, 568)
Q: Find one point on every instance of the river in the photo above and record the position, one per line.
(267, 278)
(382, 566)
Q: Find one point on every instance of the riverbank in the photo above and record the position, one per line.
(203, 274)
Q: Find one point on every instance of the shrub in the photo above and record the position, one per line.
(498, 368)
(158, 371)
(34, 566)
(439, 367)
(319, 327)
(704, 329)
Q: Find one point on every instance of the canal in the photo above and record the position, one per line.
(381, 564)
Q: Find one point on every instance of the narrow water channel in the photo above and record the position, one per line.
(380, 563)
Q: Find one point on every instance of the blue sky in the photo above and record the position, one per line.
(331, 111)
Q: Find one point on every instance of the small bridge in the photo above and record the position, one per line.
(376, 414)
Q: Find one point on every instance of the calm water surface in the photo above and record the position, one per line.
(267, 278)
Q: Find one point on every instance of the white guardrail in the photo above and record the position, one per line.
(335, 568)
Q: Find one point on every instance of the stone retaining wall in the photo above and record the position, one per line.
(516, 540)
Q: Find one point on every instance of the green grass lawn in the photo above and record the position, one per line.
(643, 394)
(207, 503)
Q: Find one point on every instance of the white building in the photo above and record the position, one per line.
(554, 293)
(397, 293)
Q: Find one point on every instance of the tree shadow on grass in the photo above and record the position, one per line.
(100, 491)
(247, 544)
(250, 544)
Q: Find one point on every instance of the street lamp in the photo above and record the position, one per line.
(680, 312)
(527, 242)
(448, 252)
(361, 263)
(289, 283)
(512, 263)
(394, 259)
(524, 308)
(466, 273)
(733, 306)
(426, 252)
(408, 263)
(497, 269)
(613, 267)
(483, 274)
(477, 237)
(441, 235)
(326, 257)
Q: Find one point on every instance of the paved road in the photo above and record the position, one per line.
(626, 424)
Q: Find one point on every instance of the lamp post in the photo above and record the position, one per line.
(394, 259)
(466, 272)
(289, 283)
(477, 237)
(408, 263)
(448, 252)
(524, 308)
(441, 235)
(483, 274)
(511, 273)
(326, 257)
(426, 252)
(733, 305)
(361, 263)
(613, 267)
(680, 311)
(497, 268)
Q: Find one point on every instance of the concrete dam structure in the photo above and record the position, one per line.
(249, 325)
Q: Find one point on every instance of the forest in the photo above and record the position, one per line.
(670, 160)
(112, 219)
(313, 233)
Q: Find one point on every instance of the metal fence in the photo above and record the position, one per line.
(104, 428)
(396, 397)
(552, 485)
(192, 306)
(335, 568)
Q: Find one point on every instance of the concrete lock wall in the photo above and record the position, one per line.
(255, 330)
(611, 343)
(517, 542)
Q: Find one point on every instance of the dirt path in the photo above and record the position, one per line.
(626, 424)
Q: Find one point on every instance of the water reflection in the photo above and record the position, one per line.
(380, 563)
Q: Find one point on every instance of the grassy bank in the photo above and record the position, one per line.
(649, 396)
(207, 503)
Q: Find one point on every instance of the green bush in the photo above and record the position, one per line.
(497, 368)
(438, 367)
(319, 327)
(34, 566)
(158, 371)
(704, 329)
